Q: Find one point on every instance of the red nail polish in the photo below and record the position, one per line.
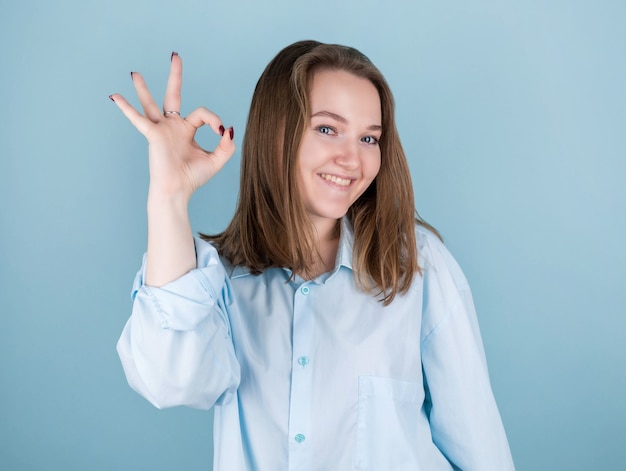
(231, 131)
(174, 53)
(111, 98)
(222, 130)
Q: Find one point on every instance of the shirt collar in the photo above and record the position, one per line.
(344, 251)
(346, 244)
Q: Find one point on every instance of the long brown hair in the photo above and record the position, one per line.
(271, 228)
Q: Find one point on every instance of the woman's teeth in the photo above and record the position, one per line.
(336, 180)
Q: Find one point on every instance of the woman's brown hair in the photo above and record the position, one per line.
(271, 228)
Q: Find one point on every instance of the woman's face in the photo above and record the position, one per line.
(340, 153)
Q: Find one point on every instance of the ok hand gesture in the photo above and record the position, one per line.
(178, 165)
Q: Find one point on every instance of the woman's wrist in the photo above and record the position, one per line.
(162, 200)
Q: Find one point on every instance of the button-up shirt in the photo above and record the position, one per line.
(317, 374)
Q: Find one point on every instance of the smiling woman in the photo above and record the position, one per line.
(339, 154)
(329, 327)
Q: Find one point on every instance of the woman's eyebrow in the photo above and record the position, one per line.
(341, 119)
(329, 114)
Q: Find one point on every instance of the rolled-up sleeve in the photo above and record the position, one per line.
(465, 422)
(176, 348)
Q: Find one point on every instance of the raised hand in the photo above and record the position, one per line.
(178, 165)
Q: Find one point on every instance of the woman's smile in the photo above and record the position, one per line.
(342, 182)
(339, 155)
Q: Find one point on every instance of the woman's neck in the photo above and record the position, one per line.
(327, 234)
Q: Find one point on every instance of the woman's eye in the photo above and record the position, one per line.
(325, 129)
(370, 140)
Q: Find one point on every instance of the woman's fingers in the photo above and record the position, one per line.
(174, 85)
(150, 108)
(171, 101)
(137, 119)
(174, 154)
(226, 147)
(201, 116)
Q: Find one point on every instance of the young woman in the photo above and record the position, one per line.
(329, 327)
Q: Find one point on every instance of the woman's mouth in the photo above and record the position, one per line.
(335, 179)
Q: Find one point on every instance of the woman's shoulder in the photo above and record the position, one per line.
(208, 255)
(425, 235)
(428, 243)
(434, 258)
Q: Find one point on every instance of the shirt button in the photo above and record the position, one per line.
(303, 361)
(305, 290)
(299, 438)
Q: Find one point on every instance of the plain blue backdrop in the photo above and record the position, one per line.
(513, 115)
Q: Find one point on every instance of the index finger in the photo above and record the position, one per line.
(226, 147)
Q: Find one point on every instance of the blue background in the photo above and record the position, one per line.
(513, 115)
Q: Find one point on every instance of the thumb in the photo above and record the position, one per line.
(225, 148)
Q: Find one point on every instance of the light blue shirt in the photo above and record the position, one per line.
(317, 375)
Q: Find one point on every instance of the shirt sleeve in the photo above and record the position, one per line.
(465, 422)
(176, 348)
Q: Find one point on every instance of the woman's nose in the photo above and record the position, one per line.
(348, 155)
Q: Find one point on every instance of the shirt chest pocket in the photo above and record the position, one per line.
(387, 423)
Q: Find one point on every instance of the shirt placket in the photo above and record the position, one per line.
(300, 439)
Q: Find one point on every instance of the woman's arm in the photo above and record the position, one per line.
(178, 167)
(176, 348)
(463, 414)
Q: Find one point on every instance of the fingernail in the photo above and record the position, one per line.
(131, 76)
(111, 98)
(222, 130)
(174, 53)
(231, 131)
